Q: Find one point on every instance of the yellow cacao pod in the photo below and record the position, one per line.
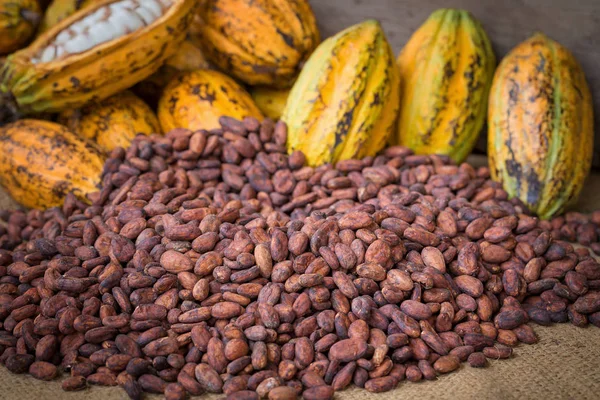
(446, 70)
(59, 10)
(188, 57)
(18, 21)
(41, 162)
(346, 99)
(540, 126)
(260, 42)
(196, 100)
(95, 53)
(113, 122)
(270, 101)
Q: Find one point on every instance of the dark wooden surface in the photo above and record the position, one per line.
(573, 23)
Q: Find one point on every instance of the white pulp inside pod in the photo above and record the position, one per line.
(103, 25)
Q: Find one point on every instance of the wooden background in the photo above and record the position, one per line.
(573, 23)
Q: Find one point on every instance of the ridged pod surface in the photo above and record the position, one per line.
(540, 126)
(18, 21)
(345, 101)
(75, 78)
(270, 101)
(446, 70)
(260, 42)
(59, 10)
(113, 122)
(41, 162)
(196, 100)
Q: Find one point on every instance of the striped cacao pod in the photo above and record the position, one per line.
(446, 70)
(540, 126)
(113, 122)
(18, 21)
(260, 42)
(41, 162)
(95, 53)
(196, 100)
(345, 101)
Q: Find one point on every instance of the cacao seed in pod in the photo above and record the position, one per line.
(260, 42)
(41, 162)
(540, 126)
(113, 122)
(345, 101)
(196, 100)
(270, 101)
(446, 70)
(60, 9)
(18, 21)
(95, 53)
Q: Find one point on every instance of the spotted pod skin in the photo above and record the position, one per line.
(540, 126)
(346, 99)
(60, 9)
(18, 21)
(270, 101)
(113, 122)
(260, 42)
(446, 70)
(97, 73)
(41, 162)
(196, 100)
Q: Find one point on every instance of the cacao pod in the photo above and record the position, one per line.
(540, 126)
(59, 10)
(270, 101)
(95, 53)
(18, 21)
(41, 162)
(260, 42)
(446, 70)
(113, 122)
(195, 100)
(188, 57)
(346, 99)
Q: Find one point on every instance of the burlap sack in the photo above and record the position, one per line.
(565, 364)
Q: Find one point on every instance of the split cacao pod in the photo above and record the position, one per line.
(540, 126)
(113, 122)
(346, 99)
(18, 21)
(446, 71)
(270, 101)
(41, 162)
(196, 100)
(95, 53)
(260, 42)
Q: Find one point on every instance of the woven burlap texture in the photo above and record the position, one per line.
(565, 364)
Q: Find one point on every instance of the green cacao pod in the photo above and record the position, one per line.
(540, 137)
(345, 101)
(446, 71)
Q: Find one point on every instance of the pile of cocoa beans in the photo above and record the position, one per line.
(214, 262)
(576, 227)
